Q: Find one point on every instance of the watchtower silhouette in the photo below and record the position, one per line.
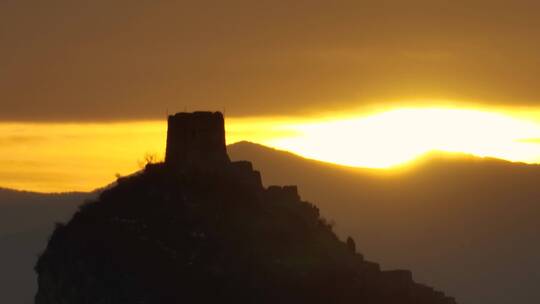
(196, 140)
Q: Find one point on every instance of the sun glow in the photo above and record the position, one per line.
(78, 156)
(395, 137)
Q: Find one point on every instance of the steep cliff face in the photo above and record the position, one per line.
(199, 232)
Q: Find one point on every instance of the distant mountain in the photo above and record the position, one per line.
(26, 221)
(23, 210)
(465, 224)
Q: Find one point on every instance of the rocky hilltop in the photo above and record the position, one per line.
(199, 228)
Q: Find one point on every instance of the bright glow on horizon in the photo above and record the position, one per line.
(395, 137)
(81, 157)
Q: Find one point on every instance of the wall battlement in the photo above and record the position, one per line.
(243, 172)
(283, 193)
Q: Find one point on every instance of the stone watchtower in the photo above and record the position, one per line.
(196, 140)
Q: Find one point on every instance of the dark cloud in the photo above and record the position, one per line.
(119, 59)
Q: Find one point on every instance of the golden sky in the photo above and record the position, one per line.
(85, 85)
(84, 156)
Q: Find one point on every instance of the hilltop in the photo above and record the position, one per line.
(200, 228)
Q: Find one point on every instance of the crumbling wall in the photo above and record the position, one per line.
(244, 173)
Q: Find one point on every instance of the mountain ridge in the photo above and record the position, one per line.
(433, 157)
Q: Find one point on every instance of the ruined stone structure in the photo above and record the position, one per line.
(244, 173)
(196, 140)
(285, 193)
